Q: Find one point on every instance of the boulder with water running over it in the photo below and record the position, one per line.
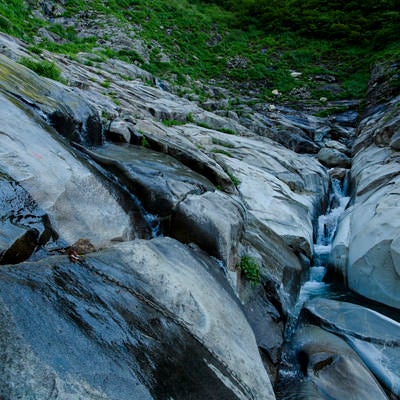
(375, 337)
(77, 202)
(334, 369)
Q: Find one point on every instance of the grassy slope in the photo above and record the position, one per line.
(184, 30)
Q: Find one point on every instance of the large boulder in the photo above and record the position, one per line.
(142, 319)
(334, 369)
(77, 202)
(280, 188)
(214, 221)
(366, 246)
(67, 111)
(331, 158)
(375, 337)
(158, 180)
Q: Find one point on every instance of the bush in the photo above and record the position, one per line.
(250, 269)
(43, 68)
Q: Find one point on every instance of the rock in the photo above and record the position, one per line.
(68, 113)
(159, 181)
(83, 246)
(279, 187)
(334, 144)
(395, 141)
(382, 85)
(146, 319)
(171, 142)
(333, 158)
(373, 336)
(279, 264)
(333, 367)
(119, 131)
(347, 118)
(62, 186)
(268, 326)
(365, 251)
(24, 227)
(338, 173)
(214, 221)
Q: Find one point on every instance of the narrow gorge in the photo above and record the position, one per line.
(144, 260)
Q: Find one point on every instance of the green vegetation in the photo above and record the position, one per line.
(361, 22)
(172, 122)
(241, 44)
(222, 151)
(250, 269)
(234, 179)
(43, 68)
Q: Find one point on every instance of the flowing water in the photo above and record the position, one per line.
(315, 285)
(326, 229)
(325, 233)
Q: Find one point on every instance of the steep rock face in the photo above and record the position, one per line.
(366, 246)
(71, 116)
(60, 184)
(162, 326)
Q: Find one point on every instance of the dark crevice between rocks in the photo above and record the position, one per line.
(24, 227)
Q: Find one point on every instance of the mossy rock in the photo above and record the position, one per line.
(69, 114)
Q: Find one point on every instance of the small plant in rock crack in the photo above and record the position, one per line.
(250, 269)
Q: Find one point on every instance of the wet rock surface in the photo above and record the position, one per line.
(373, 336)
(127, 321)
(24, 227)
(71, 116)
(158, 319)
(366, 247)
(334, 369)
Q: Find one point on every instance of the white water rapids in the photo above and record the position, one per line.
(327, 224)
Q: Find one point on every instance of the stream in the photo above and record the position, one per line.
(294, 381)
(315, 286)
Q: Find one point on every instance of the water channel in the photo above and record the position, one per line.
(315, 285)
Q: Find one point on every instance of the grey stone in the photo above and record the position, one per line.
(60, 184)
(333, 367)
(375, 337)
(333, 158)
(146, 319)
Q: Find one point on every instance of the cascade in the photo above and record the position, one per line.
(314, 286)
(325, 233)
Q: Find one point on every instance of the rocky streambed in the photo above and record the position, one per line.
(157, 307)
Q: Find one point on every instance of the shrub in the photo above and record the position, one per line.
(250, 269)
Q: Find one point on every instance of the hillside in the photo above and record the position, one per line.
(249, 49)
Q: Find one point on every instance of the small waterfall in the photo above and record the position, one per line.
(325, 233)
(315, 285)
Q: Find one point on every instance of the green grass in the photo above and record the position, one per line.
(204, 41)
(43, 68)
